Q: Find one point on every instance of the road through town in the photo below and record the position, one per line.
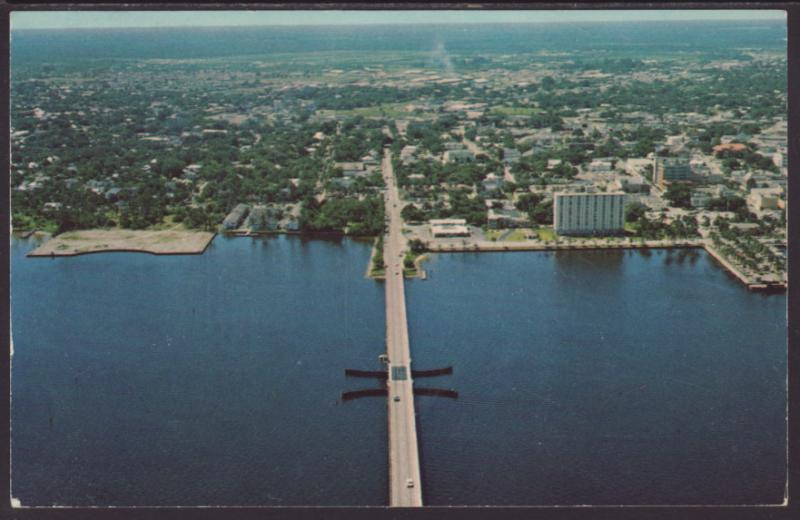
(405, 488)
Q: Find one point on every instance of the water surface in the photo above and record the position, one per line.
(599, 377)
(584, 378)
(211, 379)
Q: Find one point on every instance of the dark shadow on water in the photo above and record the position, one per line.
(421, 450)
(331, 238)
(603, 260)
(692, 255)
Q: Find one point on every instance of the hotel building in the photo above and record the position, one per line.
(588, 213)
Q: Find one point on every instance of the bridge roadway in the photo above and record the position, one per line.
(403, 450)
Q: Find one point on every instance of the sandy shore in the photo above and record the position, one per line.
(169, 242)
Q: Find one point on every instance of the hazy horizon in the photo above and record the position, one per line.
(24, 20)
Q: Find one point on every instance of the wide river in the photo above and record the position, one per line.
(584, 378)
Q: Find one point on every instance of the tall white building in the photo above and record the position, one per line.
(588, 213)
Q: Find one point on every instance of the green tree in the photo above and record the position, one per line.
(679, 195)
(417, 246)
(634, 211)
(411, 213)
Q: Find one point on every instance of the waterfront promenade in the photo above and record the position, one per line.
(405, 487)
(462, 245)
(452, 245)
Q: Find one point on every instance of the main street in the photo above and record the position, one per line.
(405, 487)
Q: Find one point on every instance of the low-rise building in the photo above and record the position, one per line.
(492, 182)
(191, 171)
(449, 227)
(263, 218)
(676, 143)
(700, 197)
(729, 147)
(506, 217)
(342, 182)
(408, 155)
(780, 159)
(236, 216)
(764, 199)
(635, 184)
(352, 169)
(668, 169)
(371, 159)
(600, 166)
(758, 178)
(291, 217)
(458, 156)
(453, 146)
(511, 155)
(744, 226)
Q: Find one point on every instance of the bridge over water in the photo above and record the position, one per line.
(405, 485)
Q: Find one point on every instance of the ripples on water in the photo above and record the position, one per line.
(584, 378)
(599, 378)
(209, 379)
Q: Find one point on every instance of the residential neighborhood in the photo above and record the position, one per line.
(692, 148)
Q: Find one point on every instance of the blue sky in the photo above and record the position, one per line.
(88, 19)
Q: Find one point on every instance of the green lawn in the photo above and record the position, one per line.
(515, 235)
(546, 234)
(518, 235)
(493, 234)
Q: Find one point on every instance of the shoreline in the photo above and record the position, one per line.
(94, 241)
(238, 233)
(728, 265)
(537, 246)
(117, 250)
(733, 270)
(422, 274)
(493, 247)
(368, 273)
(200, 245)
